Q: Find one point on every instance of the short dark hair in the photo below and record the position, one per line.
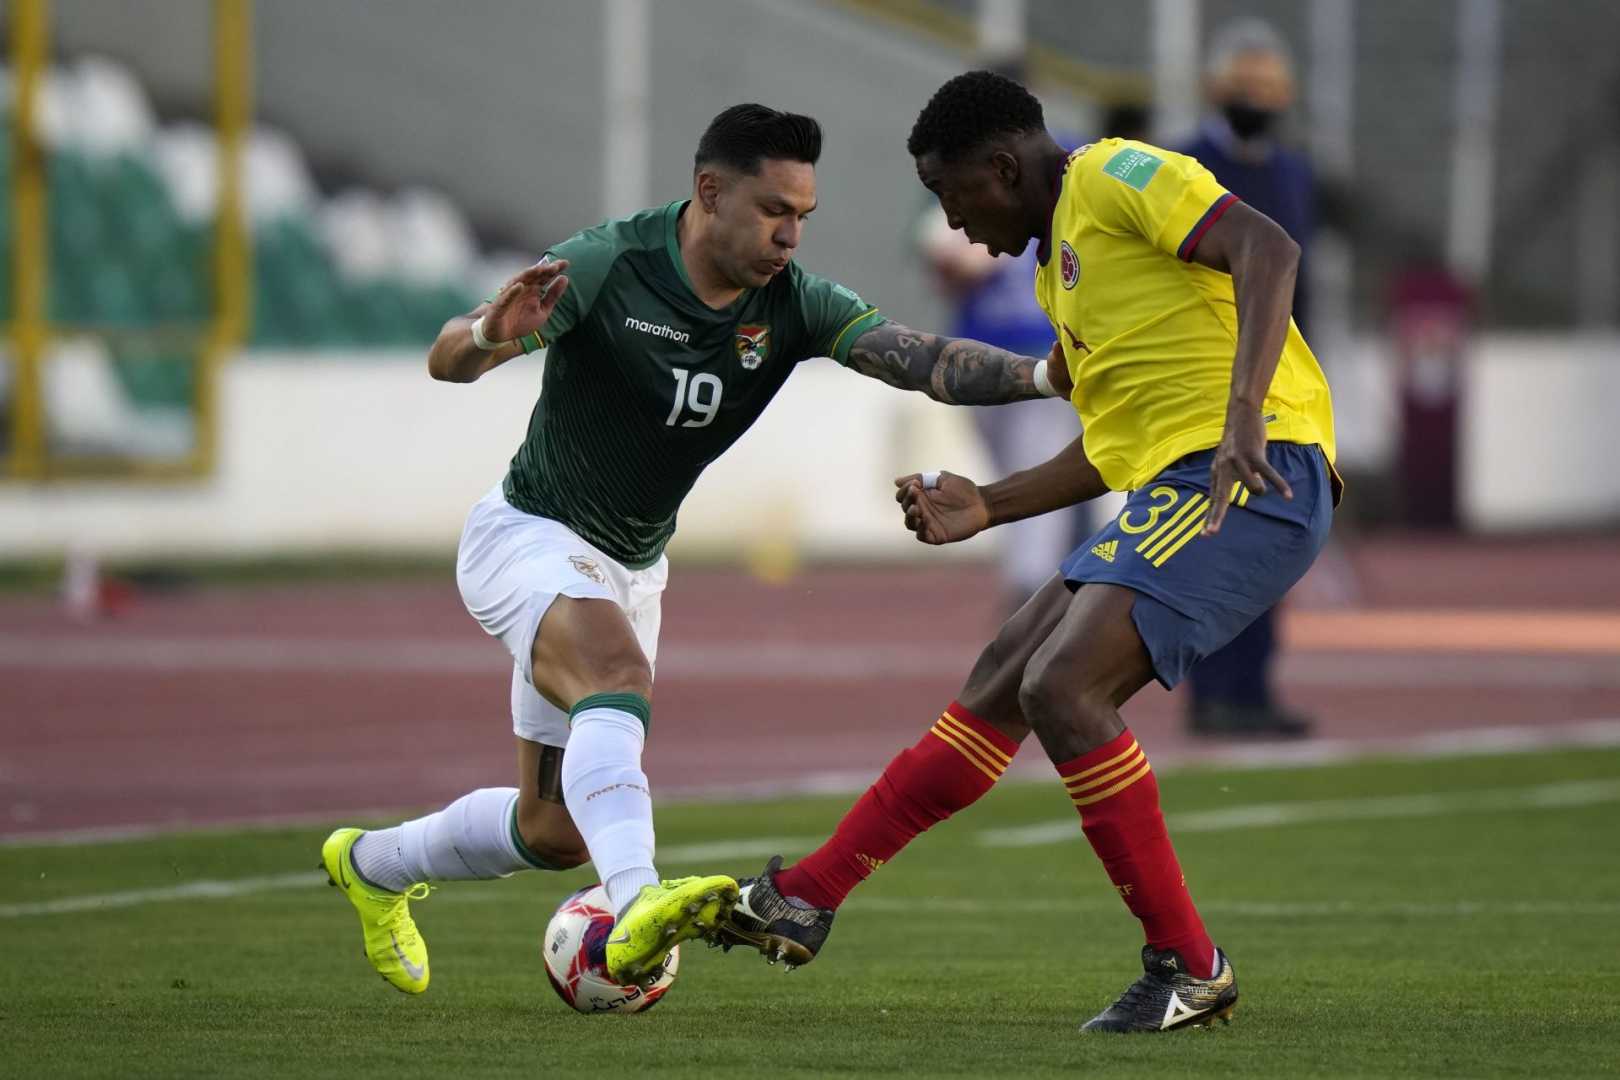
(744, 135)
(969, 111)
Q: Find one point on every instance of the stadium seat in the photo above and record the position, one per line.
(183, 156)
(354, 225)
(111, 114)
(130, 235)
(433, 243)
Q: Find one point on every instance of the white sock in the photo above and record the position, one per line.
(623, 887)
(469, 840)
(377, 859)
(607, 794)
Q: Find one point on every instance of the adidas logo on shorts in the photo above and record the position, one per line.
(1106, 550)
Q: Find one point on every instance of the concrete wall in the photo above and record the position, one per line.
(339, 453)
(370, 455)
(1538, 433)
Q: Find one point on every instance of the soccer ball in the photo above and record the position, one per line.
(575, 952)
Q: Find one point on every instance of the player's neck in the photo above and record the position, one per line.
(1047, 179)
(708, 284)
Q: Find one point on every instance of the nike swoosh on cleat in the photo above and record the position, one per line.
(410, 969)
(343, 878)
(622, 939)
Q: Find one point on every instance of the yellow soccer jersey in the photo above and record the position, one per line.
(1149, 336)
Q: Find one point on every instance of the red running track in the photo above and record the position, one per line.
(223, 704)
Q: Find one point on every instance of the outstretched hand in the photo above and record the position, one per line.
(1240, 458)
(953, 510)
(525, 303)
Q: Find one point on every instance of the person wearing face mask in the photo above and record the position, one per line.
(1249, 81)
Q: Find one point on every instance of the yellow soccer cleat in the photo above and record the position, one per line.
(393, 945)
(660, 918)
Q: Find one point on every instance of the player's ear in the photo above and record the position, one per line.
(707, 189)
(1006, 167)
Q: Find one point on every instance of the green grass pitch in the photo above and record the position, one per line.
(1455, 917)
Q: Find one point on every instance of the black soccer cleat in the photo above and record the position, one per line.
(1167, 997)
(781, 927)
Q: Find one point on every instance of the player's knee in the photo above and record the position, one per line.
(991, 689)
(990, 673)
(557, 846)
(1058, 699)
(1041, 697)
(624, 672)
(616, 671)
(558, 856)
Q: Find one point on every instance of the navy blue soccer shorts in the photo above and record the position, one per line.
(1196, 592)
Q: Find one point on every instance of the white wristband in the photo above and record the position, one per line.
(480, 340)
(1042, 383)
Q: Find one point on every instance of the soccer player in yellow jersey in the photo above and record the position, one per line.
(1170, 302)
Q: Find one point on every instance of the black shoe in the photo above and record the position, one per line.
(781, 927)
(1219, 718)
(1166, 997)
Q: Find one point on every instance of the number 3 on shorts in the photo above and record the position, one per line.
(1168, 494)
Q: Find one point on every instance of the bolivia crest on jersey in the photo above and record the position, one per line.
(588, 568)
(753, 345)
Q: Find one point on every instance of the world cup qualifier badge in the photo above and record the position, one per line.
(1068, 265)
(753, 345)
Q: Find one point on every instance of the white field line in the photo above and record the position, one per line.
(1262, 909)
(1267, 815)
(762, 847)
(1259, 815)
(740, 659)
(191, 890)
(1029, 769)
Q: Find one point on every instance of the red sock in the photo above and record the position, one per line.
(1118, 799)
(959, 760)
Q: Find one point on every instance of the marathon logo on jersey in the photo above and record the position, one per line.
(753, 345)
(1068, 265)
(656, 329)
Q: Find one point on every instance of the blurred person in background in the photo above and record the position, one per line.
(1249, 82)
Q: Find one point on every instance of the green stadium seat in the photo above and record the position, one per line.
(75, 222)
(141, 217)
(381, 314)
(154, 377)
(122, 258)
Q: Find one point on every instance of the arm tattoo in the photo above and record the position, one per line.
(956, 371)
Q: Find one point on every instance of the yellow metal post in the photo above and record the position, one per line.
(29, 44)
(233, 78)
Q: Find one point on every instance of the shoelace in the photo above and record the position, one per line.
(1133, 995)
(399, 912)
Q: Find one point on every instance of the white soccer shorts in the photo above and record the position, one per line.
(511, 565)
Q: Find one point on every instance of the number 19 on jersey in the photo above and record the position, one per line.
(697, 394)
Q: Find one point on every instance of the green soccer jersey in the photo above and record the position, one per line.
(645, 384)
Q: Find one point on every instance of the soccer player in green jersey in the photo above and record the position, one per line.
(667, 334)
